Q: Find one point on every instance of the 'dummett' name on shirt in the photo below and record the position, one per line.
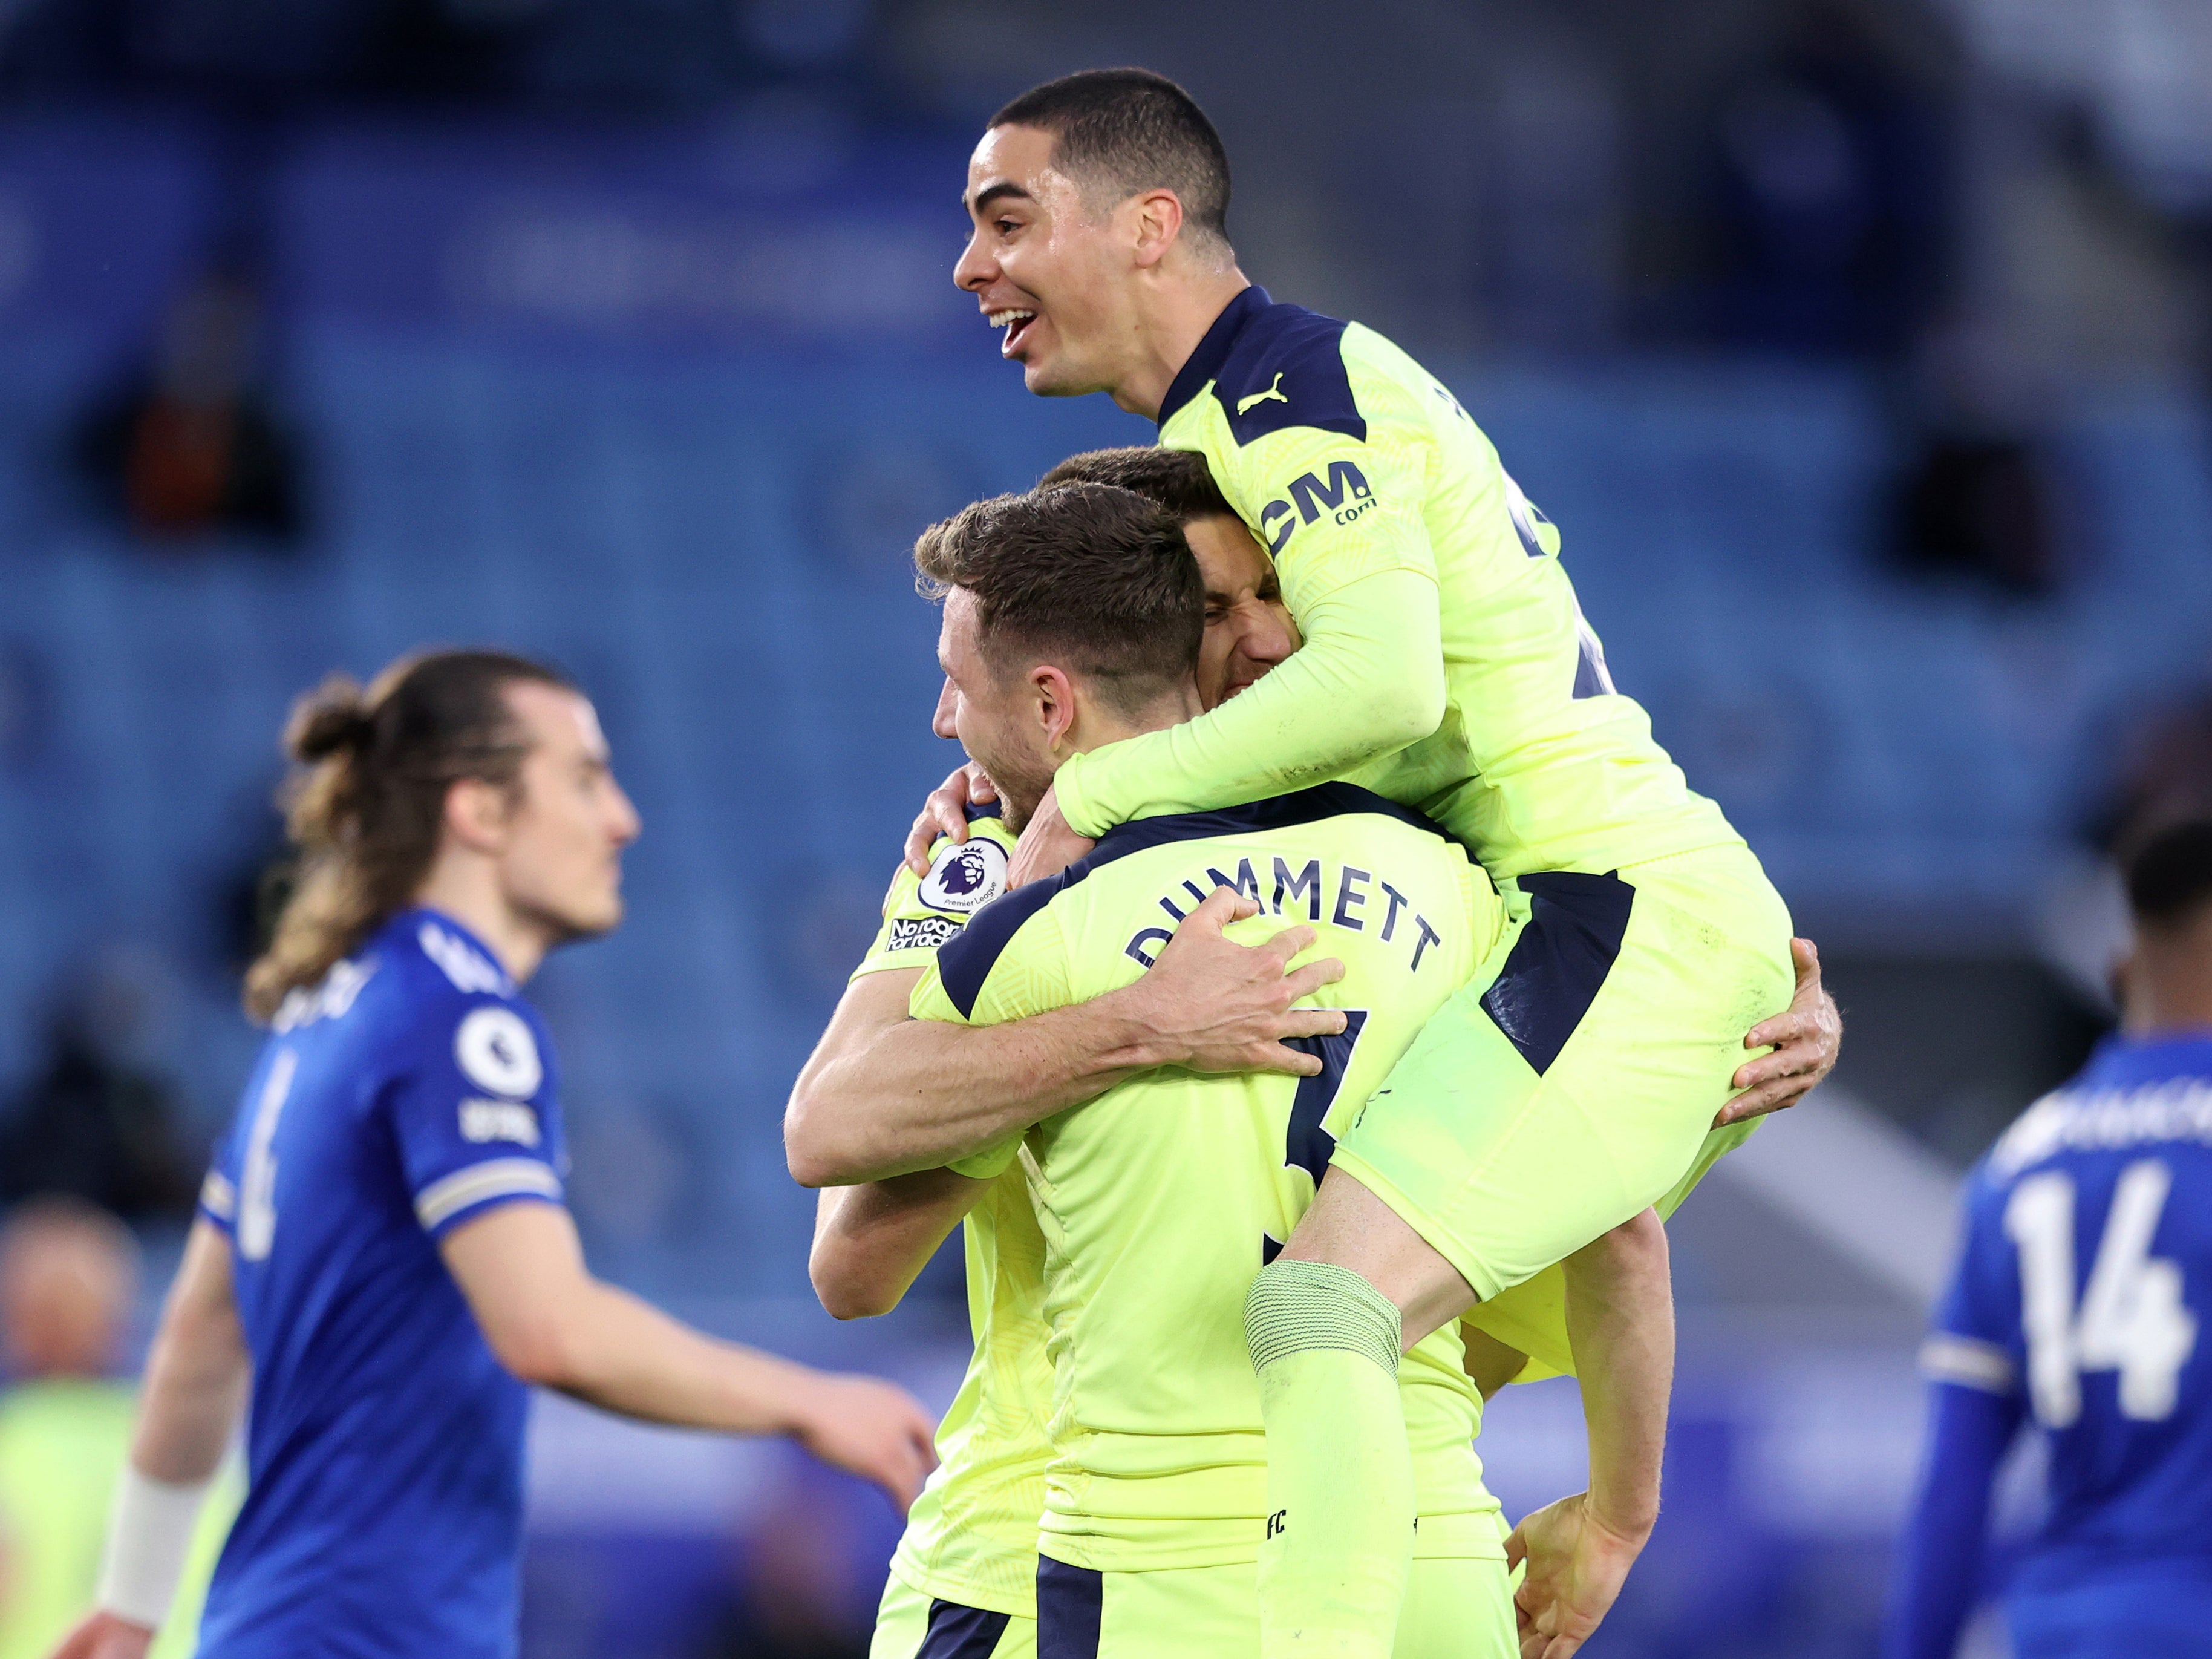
(1346, 896)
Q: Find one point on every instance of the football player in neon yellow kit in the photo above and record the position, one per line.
(1447, 667)
(1157, 1200)
(963, 1576)
(879, 1088)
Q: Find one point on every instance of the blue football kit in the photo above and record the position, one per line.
(2088, 1256)
(407, 1094)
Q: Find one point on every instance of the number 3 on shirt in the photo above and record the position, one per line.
(2132, 1318)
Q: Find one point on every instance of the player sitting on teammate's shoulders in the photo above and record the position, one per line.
(883, 1091)
(2089, 1240)
(382, 1251)
(1447, 665)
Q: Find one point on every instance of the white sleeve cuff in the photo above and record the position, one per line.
(148, 1535)
(1947, 1357)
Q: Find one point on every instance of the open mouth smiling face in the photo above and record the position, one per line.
(1016, 320)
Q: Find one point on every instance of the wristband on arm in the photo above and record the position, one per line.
(148, 1535)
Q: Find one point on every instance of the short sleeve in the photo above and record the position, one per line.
(1332, 506)
(1012, 964)
(218, 1198)
(474, 1112)
(1974, 1339)
(922, 912)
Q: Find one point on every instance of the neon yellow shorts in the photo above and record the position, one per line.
(911, 1624)
(1455, 1607)
(1574, 1080)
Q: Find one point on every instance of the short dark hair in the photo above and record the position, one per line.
(1179, 480)
(1134, 131)
(2169, 875)
(1097, 578)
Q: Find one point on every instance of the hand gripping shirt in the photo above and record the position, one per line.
(1160, 1200)
(1423, 580)
(408, 1092)
(971, 1536)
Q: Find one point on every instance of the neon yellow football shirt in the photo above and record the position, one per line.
(971, 1536)
(1160, 1200)
(1420, 575)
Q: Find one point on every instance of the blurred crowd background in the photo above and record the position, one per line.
(1860, 349)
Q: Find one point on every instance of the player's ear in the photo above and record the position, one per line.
(476, 814)
(1156, 219)
(1053, 699)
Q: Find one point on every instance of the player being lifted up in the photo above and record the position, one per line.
(382, 1251)
(2088, 1242)
(1446, 666)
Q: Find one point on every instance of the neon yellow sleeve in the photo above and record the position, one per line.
(1344, 517)
(1369, 679)
(921, 912)
(1030, 974)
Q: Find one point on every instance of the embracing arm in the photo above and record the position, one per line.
(1621, 1321)
(869, 1241)
(1369, 679)
(195, 1387)
(884, 1094)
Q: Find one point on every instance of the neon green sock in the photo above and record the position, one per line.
(1340, 1533)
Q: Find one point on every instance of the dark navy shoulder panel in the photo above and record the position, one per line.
(965, 962)
(1276, 812)
(1273, 367)
(1287, 369)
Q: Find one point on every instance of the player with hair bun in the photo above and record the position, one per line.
(382, 1251)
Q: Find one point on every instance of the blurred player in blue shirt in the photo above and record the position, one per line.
(2087, 1259)
(382, 1250)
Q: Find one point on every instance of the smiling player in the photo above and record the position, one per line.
(1447, 667)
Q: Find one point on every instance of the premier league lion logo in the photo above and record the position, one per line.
(966, 877)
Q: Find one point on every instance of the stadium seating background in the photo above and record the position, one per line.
(668, 404)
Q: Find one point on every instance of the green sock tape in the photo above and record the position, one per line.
(1294, 1306)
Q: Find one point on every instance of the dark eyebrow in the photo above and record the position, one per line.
(1004, 189)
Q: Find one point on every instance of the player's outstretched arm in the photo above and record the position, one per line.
(195, 1386)
(1621, 1321)
(551, 1323)
(884, 1094)
(1369, 679)
(870, 1241)
(1805, 1040)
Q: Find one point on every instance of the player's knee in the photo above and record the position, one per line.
(1294, 1306)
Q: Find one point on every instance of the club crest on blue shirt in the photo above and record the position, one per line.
(497, 1053)
(966, 877)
